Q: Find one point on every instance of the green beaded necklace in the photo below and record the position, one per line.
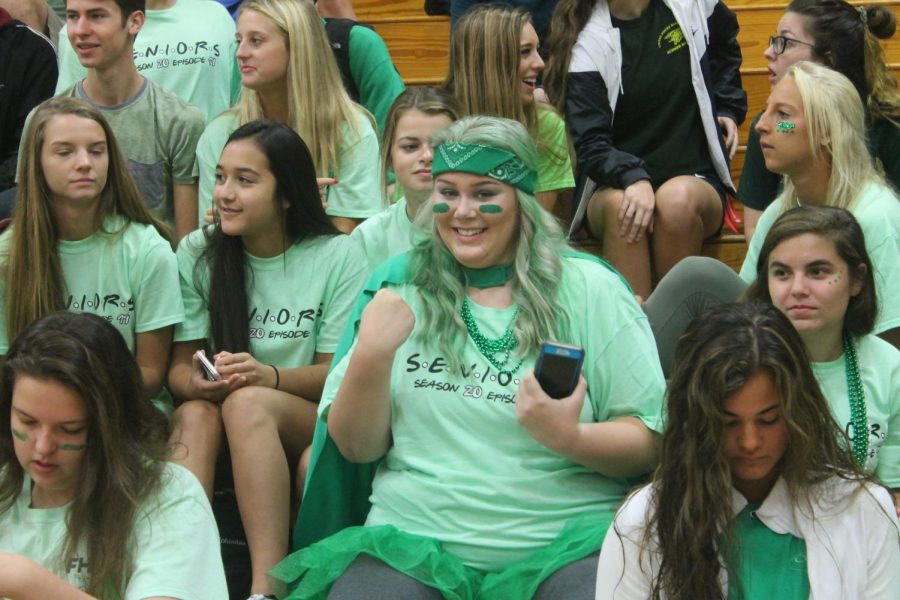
(857, 404)
(491, 348)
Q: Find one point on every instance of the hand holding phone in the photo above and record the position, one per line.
(211, 372)
(558, 368)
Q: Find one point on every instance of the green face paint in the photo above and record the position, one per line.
(784, 127)
(441, 207)
(20, 435)
(490, 209)
(73, 447)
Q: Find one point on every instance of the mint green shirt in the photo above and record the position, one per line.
(386, 234)
(124, 273)
(188, 49)
(299, 301)
(463, 471)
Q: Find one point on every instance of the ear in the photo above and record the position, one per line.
(858, 280)
(135, 22)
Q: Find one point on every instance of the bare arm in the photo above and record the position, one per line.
(336, 9)
(365, 389)
(185, 199)
(152, 354)
(622, 447)
(548, 199)
(306, 382)
(23, 579)
(346, 224)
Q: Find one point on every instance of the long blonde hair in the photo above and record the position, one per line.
(319, 106)
(34, 279)
(836, 125)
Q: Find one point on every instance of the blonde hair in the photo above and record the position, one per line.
(319, 106)
(484, 67)
(836, 125)
(34, 279)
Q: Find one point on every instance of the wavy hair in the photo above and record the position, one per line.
(569, 18)
(849, 43)
(835, 123)
(484, 67)
(126, 445)
(34, 279)
(426, 99)
(537, 265)
(691, 507)
(840, 228)
(224, 257)
(320, 110)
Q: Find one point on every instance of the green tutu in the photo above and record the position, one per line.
(309, 573)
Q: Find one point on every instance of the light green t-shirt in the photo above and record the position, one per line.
(772, 565)
(128, 276)
(554, 164)
(879, 369)
(176, 542)
(357, 195)
(299, 301)
(463, 471)
(188, 49)
(386, 234)
(878, 211)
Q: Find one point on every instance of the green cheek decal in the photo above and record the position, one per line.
(490, 209)
(836, 279)
(784, 127)
(20, 435)
(73, 447)
(441, 207)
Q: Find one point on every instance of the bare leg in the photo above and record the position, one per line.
(688, 210)
(197, 439)
(632, 260)
(267, 430)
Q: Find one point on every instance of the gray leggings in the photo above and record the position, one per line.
(370, 579)
(692, 286)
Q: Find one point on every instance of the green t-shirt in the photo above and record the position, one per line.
(878, 211)
(374, 73)
(128, 276)
(772, 565)
(188, 49)
(463, 471)
(386, 234)
(656, 116)
(554, 163)
(176, 542)
(157, 132)
(356, 195)
(879, 369)
(299, 301)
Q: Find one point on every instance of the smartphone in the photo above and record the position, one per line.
(558, 368)
(210, 369)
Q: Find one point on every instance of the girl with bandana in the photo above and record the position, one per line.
(480, 483)
(756, 495)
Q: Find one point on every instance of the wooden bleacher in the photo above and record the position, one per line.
(419, 46)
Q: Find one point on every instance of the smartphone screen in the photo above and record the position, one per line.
(558, 367)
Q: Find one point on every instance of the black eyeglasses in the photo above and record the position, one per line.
(779, 43)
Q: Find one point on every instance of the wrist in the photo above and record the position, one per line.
(276, 381)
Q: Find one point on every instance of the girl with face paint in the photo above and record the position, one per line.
(756, 495)
(845, 38)
(88, 505)
(441, 368)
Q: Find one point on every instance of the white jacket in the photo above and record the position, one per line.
(852, 542)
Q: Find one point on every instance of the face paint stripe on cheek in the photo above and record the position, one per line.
(784, 127)
(441, 207)
(73, 447)
(20, 435)
(490, 209)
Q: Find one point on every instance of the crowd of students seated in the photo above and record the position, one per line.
(239, 253)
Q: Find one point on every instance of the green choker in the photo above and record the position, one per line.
(489, 276)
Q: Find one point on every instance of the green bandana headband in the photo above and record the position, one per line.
(484, 160)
